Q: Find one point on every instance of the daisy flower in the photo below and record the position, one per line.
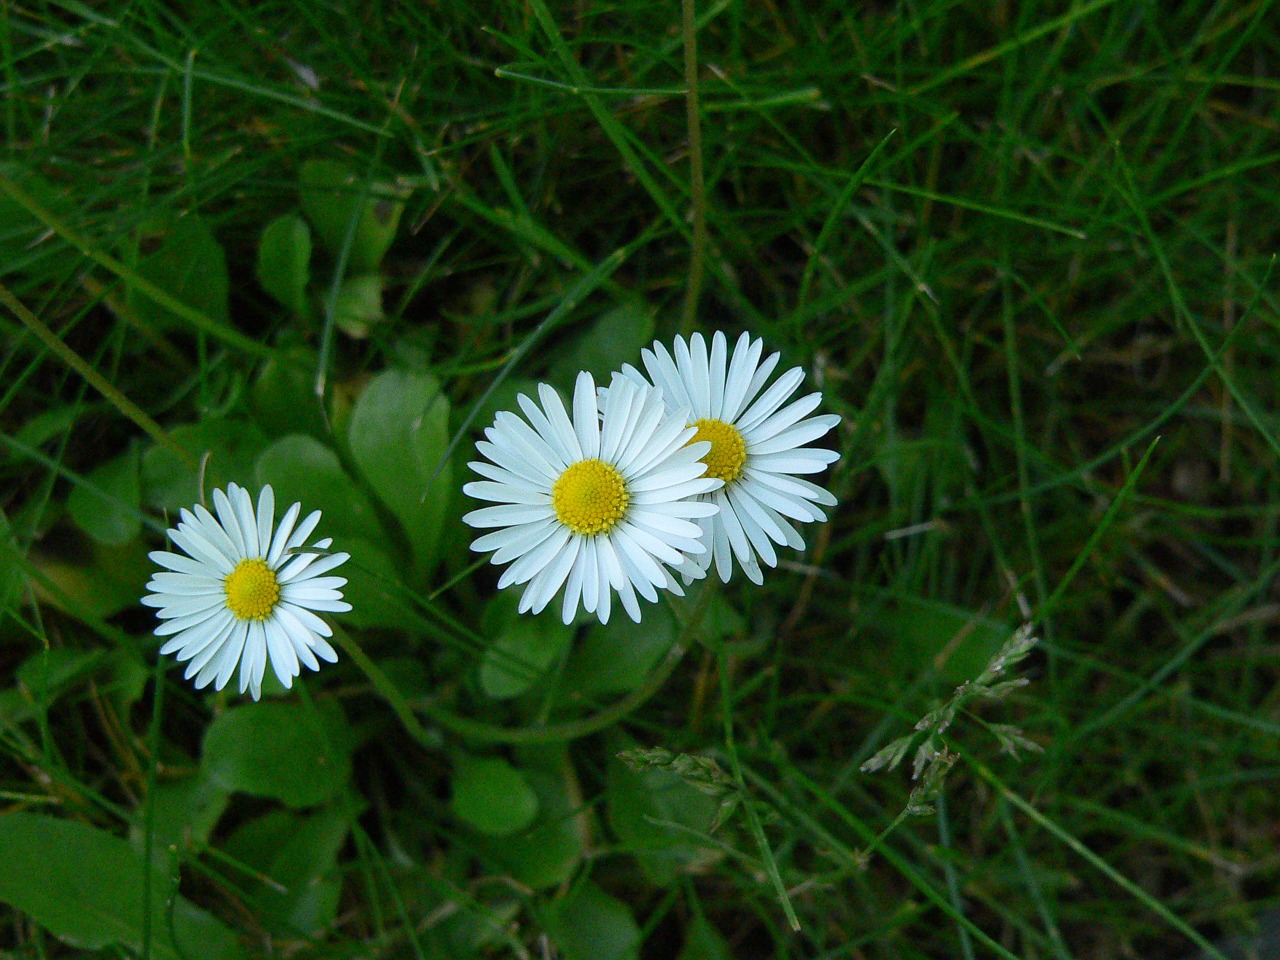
(758, 447)
(600, 503)
(243, 594)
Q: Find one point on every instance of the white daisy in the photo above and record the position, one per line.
(597, 504)
(245, 595)
(757, 447)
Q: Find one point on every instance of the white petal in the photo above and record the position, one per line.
(253, 659)
(190, 606)
(183, 565)
(284, 661)
(202, 550)
(811, 460)
(771, 399)
(505, 492)
(716, 370)
(230, 524)
(791, 413)
(573, 587)
(208, 528)
(742, 367)
(282, 534)
(586, 416)
(308, 619)
(303, 531)
(562, 449)
(753, 520)
(313, 564)
(617, 418)
(266, 516)
(507, 515)
(792, 437)
(544, 586)
(518, 538)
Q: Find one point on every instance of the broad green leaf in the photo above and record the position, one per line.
(26, 243)
(50, 674)
(546, 853)
(45, 675)
(374, 587)
(641, 802)
(491, 795)
(85, 886)
(11, 574)
(226, 447)
(398, 435)
(299, 853)
(299, 755)
(358, 305)
(302, 469)
(588, 924)
(48, 425)
(469, 930)
(503, 398)
(192, 267)
(616, 338)
(925, 634)
(284, 262)
(283, 398)
(703, 942)
(521, 648)
(183, 814)
(102, 581)
(617, 656)
(114, 515)
(332, 195)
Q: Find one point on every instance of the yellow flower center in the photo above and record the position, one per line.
(252, 590)
(728, 453)
(590, 497)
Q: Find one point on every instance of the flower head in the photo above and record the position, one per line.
(600, 503)
(244, 594)
(758, 447)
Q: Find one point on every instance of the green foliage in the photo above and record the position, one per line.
(182, 815)
(546, 853)
(296, 885)
(616, 657)
(87, 888)
(521, 647)
(26, 244)
(109, 506)
(283, 397)
(491, 795)
(399, 438)
(337, 203)
(589, 924)
(614, 339)
(288, 751)
(284, 262)
(703, 942)
(98, 582)
(649, 806)
(357, 306)
(191, 266)
(226, 448)
(934, 758)
(302, 469)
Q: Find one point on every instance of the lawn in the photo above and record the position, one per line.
(1014, 695)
